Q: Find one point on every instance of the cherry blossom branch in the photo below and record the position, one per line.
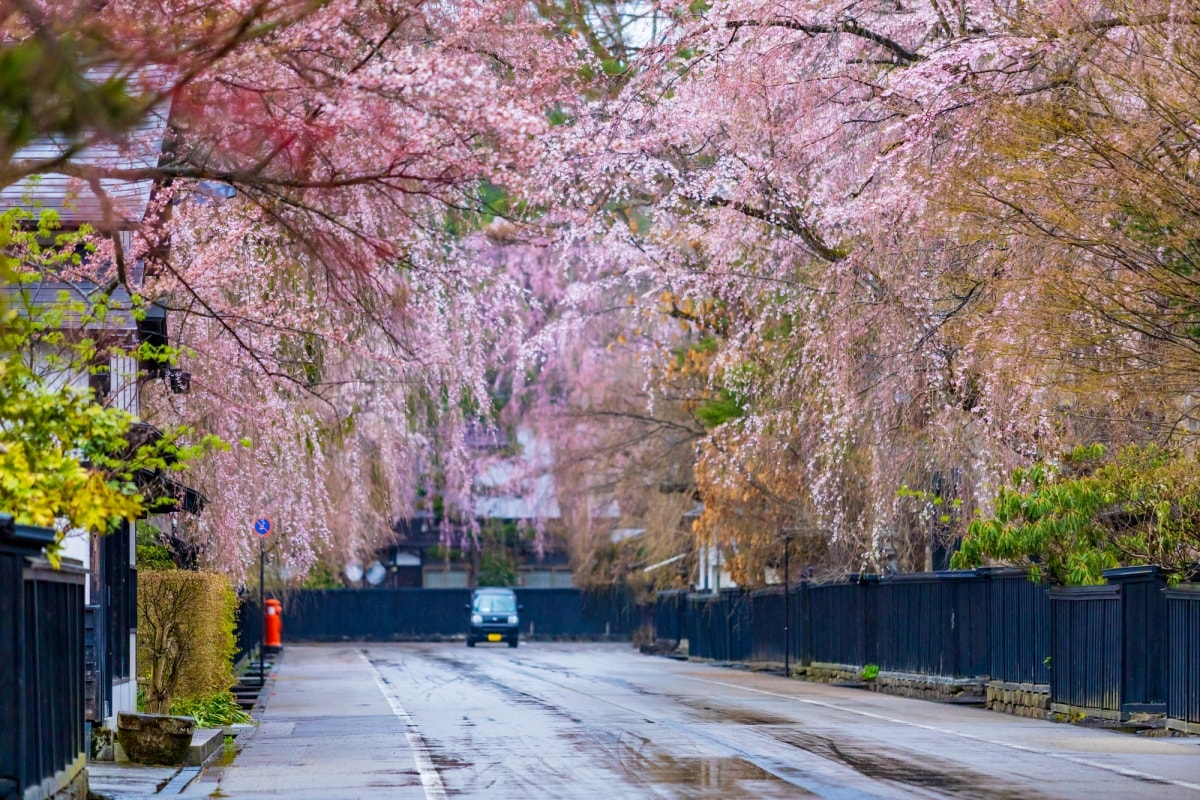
(848, 25)
(791, 223)
(236, 177)
(1144, 20)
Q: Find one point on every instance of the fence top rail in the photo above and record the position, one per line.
(546, 590)
(932, 577)
(23, 538)
(1002, 571)
(1129, 574)
(1107, 591)
(1184, 591)
(39, 569)
(849, 579)
(705, 597)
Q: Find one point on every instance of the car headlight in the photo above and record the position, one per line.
(512, 619)
(476, 619)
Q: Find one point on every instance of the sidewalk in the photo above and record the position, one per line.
(124, 780)
(323, 706)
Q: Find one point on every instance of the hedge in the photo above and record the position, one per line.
(185, 635)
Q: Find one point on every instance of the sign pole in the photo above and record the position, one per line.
(262, 607)
(262, 526)
(787, 611)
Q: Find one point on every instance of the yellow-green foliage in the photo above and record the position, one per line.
(64, 458)
(185, 635)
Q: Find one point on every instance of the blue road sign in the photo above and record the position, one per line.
(262, 526)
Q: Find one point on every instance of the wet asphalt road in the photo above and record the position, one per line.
(601, 721)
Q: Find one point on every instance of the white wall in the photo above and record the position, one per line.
(712, 573)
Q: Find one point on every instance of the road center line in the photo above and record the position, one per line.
(431, 781)
(1127, 773)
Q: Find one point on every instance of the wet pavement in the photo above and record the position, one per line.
(561, 720)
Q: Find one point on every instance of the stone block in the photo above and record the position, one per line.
(102, 744)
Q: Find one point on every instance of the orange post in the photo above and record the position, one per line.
(274, 625)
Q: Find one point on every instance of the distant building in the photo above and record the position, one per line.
(514, 496)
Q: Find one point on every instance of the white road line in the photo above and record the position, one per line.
(1128, 773)
(430, 779)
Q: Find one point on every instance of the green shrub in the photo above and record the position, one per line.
(151, 554)
(214, 711)
(185, 636)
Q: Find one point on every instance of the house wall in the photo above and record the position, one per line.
(124, 687)
(117, 580)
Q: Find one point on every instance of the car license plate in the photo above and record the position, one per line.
(494, 637)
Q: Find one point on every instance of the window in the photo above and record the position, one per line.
(495, 604)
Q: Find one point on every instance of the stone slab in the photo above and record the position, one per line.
(205, 742)
(116, 781)
(1183, 726)
(181, 781)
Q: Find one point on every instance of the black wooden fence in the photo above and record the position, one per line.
(670, 615)
(397, 614)
(1019, 630)
(42, 747)
(247, 631)
(1126, 647)
(934, 624)
(767, 608)
(1109, 645)
(721, 625)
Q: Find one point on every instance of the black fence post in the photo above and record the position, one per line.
(669, 615)
(1183, 669)
(868, 617)
(802, 641)
(12, 662)
(1085, 669)
(1144, 645)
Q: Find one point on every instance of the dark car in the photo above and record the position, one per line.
(493, 617)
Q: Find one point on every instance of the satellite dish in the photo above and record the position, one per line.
(376, 573)
(354, 572)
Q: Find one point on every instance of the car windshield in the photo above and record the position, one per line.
(495, 604)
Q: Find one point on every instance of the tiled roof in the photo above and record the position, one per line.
(75, 202)
(46, 293)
